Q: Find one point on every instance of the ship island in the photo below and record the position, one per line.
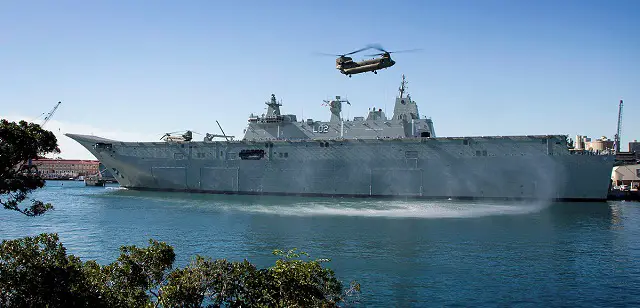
(372, 156)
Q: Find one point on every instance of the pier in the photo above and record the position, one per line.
(620, 195)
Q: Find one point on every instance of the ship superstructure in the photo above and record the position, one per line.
(372, 156)
(406, 122)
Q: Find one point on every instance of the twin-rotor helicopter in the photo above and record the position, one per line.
(383, 60)
(344, 64)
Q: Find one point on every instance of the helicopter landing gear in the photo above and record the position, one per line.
(375, 72)
(349, 75)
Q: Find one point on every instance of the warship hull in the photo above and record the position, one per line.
(505, 167)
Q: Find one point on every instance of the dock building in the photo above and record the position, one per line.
(65, 168)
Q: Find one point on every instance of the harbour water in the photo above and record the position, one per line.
(404, 253)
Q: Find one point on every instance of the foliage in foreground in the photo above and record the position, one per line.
(20, 142)
(37, 272)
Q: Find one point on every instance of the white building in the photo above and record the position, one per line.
(626, 175)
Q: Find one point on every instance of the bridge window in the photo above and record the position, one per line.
(425, 134)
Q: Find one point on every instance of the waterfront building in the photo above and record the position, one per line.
(628, 175)
(65, 168)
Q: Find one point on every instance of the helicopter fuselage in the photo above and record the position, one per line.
(348, 67)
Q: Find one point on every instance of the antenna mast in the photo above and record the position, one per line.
(403, 85)
(616, 140)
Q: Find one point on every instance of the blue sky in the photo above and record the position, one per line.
(137, 69)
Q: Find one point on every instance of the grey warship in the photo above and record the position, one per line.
(372, 156)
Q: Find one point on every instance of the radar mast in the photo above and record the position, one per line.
(403, 86)
(335, 106)
(274, 106)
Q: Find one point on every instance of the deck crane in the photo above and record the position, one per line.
(616, 139)
(50, 114)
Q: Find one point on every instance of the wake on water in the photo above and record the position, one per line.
(395, 209)
(301, 206)
(115, 188)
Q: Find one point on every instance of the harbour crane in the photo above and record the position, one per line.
(616, 139)
(50, 114)
(44, 121)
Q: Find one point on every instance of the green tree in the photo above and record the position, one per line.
(291, 282)
(20, 143)
(133, 279)
(36, 271)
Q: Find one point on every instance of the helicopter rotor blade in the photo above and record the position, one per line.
(390, 52)
(326, 54)
(349, 53)
(406, 50)
(359, 50)
(370, 46)
(376, 46)
(341, 55)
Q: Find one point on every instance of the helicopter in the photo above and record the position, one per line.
(348, 67)
(188, 136)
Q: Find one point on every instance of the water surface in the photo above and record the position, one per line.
(404, 253)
